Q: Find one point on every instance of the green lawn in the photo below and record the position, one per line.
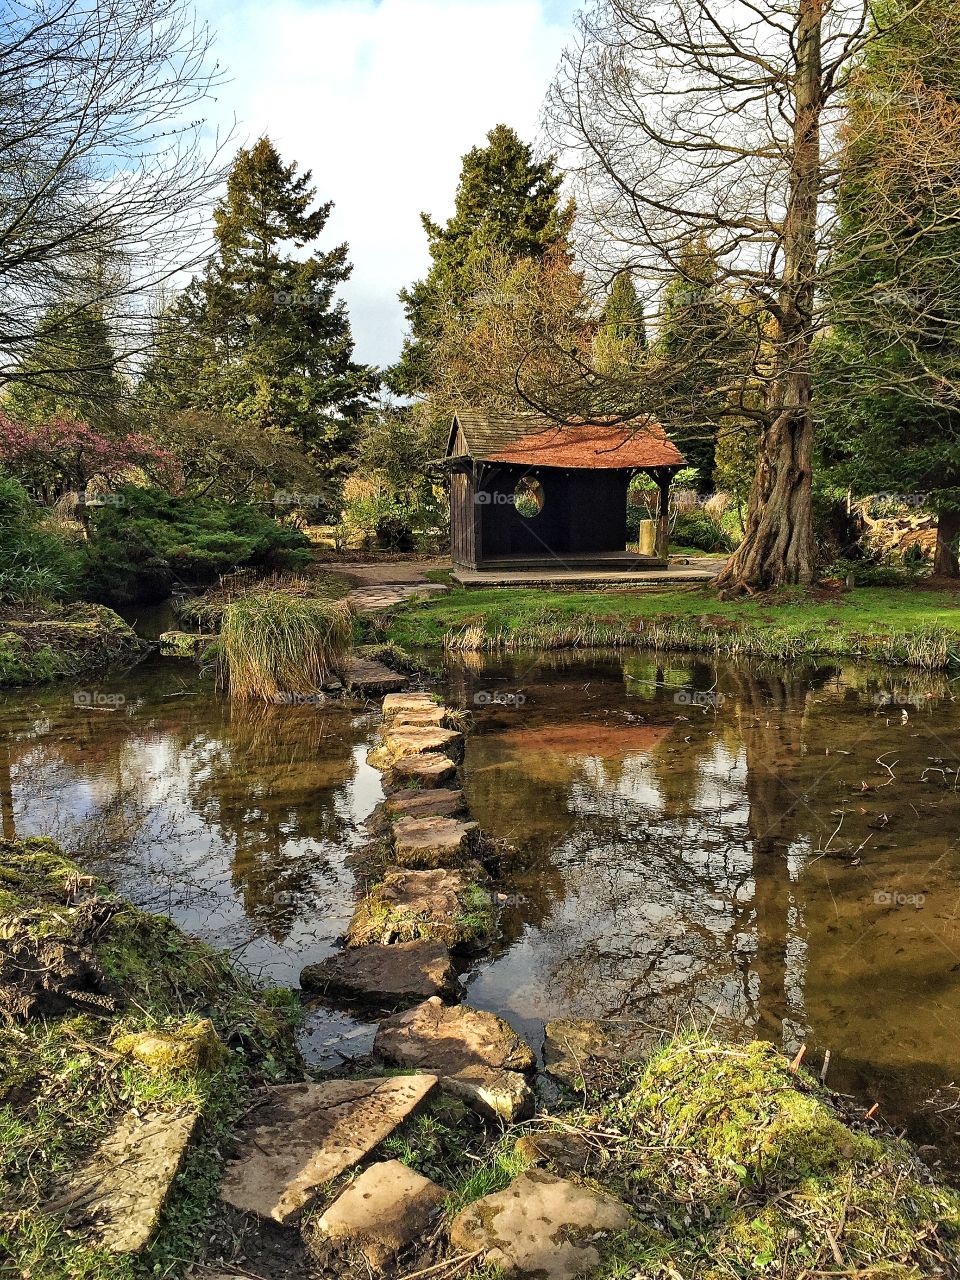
(898, 625)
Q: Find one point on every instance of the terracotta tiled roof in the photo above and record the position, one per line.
(535, 441)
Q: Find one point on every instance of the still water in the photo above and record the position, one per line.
(770, 850)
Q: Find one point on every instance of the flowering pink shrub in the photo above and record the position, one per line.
(54, 457)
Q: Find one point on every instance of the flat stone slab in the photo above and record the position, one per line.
(432, 842)
(414, 904)
(303, 1135)
(430, 770)
(438, 802)
(540, 1226)
(385, 974)
(116, 1198)
(383, 1210)
(399, 704)
(578, 1050)
(429, 739)
(367, 676)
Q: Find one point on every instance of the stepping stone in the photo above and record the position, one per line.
(411, 741)
(581, 1051)
(422, 904)
(471, 1050)
(439, 802)
(396, 705)
(303, 1135)
(431, 770)
(381, 1212)
(118, 1195)
(540, 1226)
(384, 974)
(432, 842)
(368, 677)
(453, 1037)
(185, 644)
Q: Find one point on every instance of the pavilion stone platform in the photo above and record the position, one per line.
(623, 569)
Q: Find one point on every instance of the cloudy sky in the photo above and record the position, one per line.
(381, 98)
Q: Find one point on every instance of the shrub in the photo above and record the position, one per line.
(275, 644)
(149, 540)
(697, 528)
(36, 563)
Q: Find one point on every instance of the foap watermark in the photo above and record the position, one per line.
(293, 498)
(507, 899)
(901, 499)
(96, 698)
(487, 499)
(699, 698)
(285, 699)
(893, 698)
(893, 898)
(497, 698)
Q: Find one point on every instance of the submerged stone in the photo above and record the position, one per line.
(381, 1212)
(432, 842)
(185, 644)
(303, 1135)
(540, 1226)
(385, 974)
(581, 1051)
(116, 1198)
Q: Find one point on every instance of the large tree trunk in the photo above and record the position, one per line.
(777, 547)
(945, 560)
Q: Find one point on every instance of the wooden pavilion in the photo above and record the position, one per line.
(529, 494)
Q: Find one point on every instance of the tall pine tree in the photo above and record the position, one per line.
(507, 202)
(260, 336)
(699, 343)
(621, 337)
(70, 371)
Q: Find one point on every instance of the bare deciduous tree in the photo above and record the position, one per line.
(105, 167)
(691, 119)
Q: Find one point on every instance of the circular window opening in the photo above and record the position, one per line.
(528, 498)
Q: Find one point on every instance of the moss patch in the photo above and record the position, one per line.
(64, 1083)
(79, 640)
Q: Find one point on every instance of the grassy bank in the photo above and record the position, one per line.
(913, 627)
(66, 1073)
(42, 644)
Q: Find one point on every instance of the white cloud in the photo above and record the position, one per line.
(381, 100)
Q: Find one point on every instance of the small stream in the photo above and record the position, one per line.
(770, 851)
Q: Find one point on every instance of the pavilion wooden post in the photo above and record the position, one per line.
(663, 478)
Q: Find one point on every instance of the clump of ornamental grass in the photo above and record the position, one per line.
(275, 645)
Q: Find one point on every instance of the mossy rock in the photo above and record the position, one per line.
(193, 1046)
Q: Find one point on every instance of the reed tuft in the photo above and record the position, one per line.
(276, 645)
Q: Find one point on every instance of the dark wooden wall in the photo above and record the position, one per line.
(583, 512)
(463, 522)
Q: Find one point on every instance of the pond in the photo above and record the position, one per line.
(770, 851)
